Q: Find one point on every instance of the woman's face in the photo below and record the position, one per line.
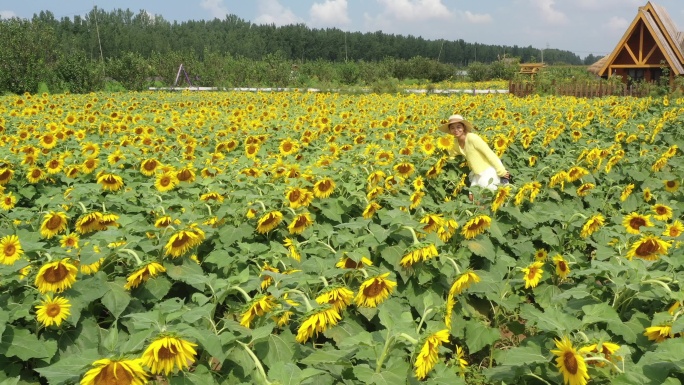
(457, 129)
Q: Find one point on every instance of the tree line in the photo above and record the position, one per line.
(84, 53)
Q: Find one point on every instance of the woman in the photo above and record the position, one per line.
(486, 169)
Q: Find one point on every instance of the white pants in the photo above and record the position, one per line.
(487, 179)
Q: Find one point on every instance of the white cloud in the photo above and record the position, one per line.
(474, 18)
(215, 7)
(594, 5)
(548, 13)
(329, 13)
(272, 12)
(415, 10)
(7, 14)
(617, 24)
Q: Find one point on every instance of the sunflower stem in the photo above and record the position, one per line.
(422, 319)
(661, 283)
(208, 208)
(83, 208)
(263, 207)
(328, 246)
(304, 297)
(539, 378)
(244, 293)
(134, 254)
(413, 233)
(604, 360)
(325, 281)
(385, 351)
(257, 362)
(408, 338)
(458, 270)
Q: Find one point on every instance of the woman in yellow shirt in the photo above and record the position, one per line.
(486, 169)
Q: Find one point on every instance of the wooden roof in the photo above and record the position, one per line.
(652, 25)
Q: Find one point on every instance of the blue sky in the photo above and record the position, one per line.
(581, 26)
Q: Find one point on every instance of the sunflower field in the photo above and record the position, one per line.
(321, 238)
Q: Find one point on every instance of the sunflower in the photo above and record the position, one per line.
(649, 247)
(318, 321)
(674, 229)
(269, 221)
(52, 310)
(300, 223)
(69, 241)
(374, 290)
(89, 222)
(35, 175)
(462, 363)
(607, 350)
(375, 178)
(163, 222)
(186, 174)
(166, 182)
(429, 353)
(92, 268)
(348, 263)
(298, 197)
(89, 165)
(119, 371)
(267, 279)
(338, 297)
(6, 175)
(418, 253)
(53, 166)
(450, 303)
(416, 198)
(370, 210)
(541, 255)
(533, 274)
(626, 192)
(111, 182)
(108, 219)
(324, 188)
(292, 249)
(48, 141)
(10, 249)
(576, 173)
(476, 226)
(141, 275)
(148, 167)
(501, 195)
(558, 179)
(167, 353)
(662, 212)
(585, 189)
(56, 276)
(445, 142)
(211, 196)
(288, 146)
(592, 224)
(448, 230)
(418, 184)
(463, 282)
(648, 196)
(570, 363)
(671, 185)
(659, 333)
(181, 242)
(257, 307)
(53, 224)
(562, 268)
(633, 222)
(404, 169)
(8, 201)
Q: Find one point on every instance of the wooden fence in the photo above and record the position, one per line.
(580, 89)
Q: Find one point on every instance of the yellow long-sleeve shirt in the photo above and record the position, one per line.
(478, 155)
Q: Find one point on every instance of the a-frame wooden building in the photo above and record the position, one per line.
(651, 43)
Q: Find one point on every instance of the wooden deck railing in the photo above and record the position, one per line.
(579, 89)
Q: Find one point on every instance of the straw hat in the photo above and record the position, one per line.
(455, 119)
